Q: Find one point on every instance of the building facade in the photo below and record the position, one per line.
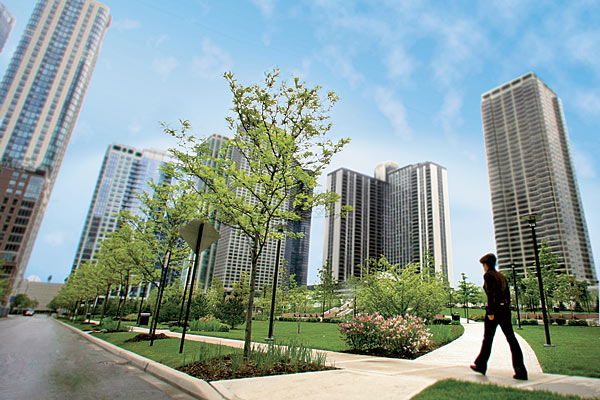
(401, 213)
(41, 94)
(124, 173)
(531, 171)
(230, 256)
(7, 22)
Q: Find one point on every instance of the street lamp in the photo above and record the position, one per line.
(531, 220)
(516, 296)
(275, 276)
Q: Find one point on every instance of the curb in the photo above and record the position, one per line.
(193, 386)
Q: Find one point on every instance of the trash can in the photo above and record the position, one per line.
(455, 317)
(144, 318)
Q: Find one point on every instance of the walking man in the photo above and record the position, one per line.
(497, 313)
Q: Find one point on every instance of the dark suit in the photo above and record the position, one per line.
(498, 305)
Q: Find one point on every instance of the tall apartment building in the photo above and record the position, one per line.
(41, 94)
(229, 257)
(7, 21)
(402, 213)
(125, 172)
(531, 171)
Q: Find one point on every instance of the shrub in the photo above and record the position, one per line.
(559, 321)
(441, 321)
(455, 323)
(403, 336)
(288, 319)
(208, 325)
(260, 317)
(130, 317)
(110, 325)
(530, 321)
(578, 322)
(334, 320)
(477, 317)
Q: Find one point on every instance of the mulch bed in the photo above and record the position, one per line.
(220, 368)
(140, 337)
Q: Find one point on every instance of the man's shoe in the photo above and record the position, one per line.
(521, 377)
(477, 369)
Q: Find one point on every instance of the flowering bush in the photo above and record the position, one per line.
(402, 336)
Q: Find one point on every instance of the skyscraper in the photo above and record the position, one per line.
(401, 213)
(40, 97)
(230, 256)
(125, 172)
(7, 21)
(531, 171)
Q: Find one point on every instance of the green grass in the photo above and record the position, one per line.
(456, 390)
(78, 324)
(461, 311)
(576, 351)
(166, 351)
(323, 336)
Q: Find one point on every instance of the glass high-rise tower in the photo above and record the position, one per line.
(401, 213)
(125, 172)
(7, 21)
(41, 94)
(531, 171)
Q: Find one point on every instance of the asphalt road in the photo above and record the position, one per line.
(40, 359)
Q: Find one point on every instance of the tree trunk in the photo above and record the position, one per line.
(248, 338)
(161, 290)
(120, 314)
(104, 305)
(143, 289)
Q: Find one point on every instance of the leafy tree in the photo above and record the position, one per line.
(278, 151)
(22, 301)
(298, 299)
(327, 290)
(215, 294)
(391, 290)
(467, 293)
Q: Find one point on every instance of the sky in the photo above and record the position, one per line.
(409, 75)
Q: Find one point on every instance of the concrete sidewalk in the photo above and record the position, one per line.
(360, 377)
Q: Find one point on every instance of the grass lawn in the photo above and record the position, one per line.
(451, 389)
(315, 335)
(166, 351)
(576, 351)
(79, 324)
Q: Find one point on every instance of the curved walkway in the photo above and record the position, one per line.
(364, 377)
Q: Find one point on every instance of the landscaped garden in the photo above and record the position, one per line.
(576, 349)
(451, 389)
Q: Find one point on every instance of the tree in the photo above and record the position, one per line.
(171, 204)
(298, 299)
(278, 151)
(22, 301)
(391, 290)
(467, 293)
(327, 289)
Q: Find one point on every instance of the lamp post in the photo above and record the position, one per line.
(531, 220)
(516, 296)
(275, 276)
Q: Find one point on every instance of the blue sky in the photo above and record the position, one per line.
(409, 75)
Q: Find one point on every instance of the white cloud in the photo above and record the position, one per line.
(212, 62)
(399, 64)
(304, 70)
(584, 163)
(56, 238)
(127, 24)
(340, 63)
(134, 127)
(160, 40)
(585, 47)
(266, 7)
(394, 111)
(449, 115)
(588, 102)
(164, 66)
